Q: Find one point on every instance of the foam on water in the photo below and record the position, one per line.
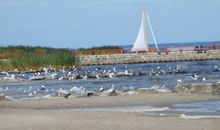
(196, 110)
(146, 108)
(184, 116)
(36, 98)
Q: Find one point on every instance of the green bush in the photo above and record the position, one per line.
(102, 48)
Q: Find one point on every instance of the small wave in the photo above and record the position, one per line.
(184, 116)
(40, 97)
(198, 107)
(146, 108)
(6, 98)
(9, 98)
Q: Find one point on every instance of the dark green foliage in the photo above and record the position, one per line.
(102, 48)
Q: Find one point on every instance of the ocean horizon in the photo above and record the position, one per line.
(178, 44)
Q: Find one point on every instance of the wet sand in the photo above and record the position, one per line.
(55, 114)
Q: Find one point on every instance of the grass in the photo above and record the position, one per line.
(23, 57)
(102, 48)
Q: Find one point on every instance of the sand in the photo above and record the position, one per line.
(59, 114)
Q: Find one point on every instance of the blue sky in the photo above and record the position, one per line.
(88, 23)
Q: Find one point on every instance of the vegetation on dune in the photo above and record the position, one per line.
(103, 50)
(23, 57)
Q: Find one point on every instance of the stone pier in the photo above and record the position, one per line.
(147, 57)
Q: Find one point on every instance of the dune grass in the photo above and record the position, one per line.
(23, 57)
(102, 48)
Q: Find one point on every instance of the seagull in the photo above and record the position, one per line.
(69, 73)
(194, 77)
(97, 76)
(179, 81)
(216, 68)
(4, 72)
(60, 78)
(126, 72)
(114, 69)
(111, 75)
(42, 88)
(85, 77)
(30, 94)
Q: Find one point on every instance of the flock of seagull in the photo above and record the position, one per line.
(73, 73)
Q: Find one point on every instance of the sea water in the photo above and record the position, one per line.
(196, 110)
(209, 109)
(202, 68)
(198, 107)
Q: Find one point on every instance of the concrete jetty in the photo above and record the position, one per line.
(147, 57)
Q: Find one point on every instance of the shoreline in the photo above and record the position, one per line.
(57, 113)
(154, 99)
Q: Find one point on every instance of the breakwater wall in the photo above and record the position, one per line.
(147, 57)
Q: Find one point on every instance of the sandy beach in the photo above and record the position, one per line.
(109, 65)
(61, 114)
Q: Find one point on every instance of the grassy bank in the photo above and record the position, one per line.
(23, 57)
(103, 50)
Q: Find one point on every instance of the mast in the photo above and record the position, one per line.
(141, 41)
(152, 31)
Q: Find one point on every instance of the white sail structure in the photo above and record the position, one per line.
(141, 43)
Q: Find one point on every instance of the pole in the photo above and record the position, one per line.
(155, 42)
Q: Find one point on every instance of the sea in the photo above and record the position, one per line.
(22, 90)
(201, 68)
(181, 44)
